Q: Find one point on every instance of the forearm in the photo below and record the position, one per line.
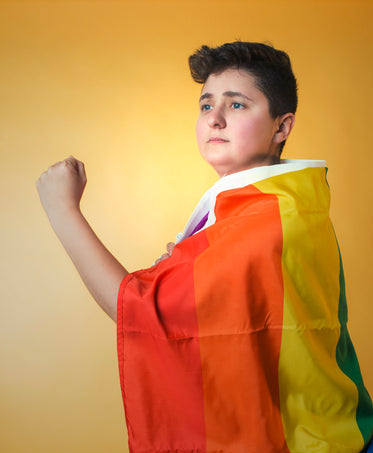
(99, 269)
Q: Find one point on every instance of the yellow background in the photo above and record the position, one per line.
(108, 82)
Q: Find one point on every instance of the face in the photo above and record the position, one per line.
(235, 130)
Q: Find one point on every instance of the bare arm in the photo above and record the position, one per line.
(60, 189)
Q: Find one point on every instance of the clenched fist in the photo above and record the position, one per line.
(61, 186)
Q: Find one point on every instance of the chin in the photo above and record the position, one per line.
(217, 161)
(220, 168)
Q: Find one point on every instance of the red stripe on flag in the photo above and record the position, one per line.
(159, 354)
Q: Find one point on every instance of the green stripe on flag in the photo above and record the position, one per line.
(348, 363)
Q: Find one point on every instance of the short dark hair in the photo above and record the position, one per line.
(270, 67)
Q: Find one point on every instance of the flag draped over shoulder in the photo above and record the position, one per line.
(238, 341)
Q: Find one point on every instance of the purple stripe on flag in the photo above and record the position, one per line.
(201, 224)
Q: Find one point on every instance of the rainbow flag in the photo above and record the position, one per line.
(238, 342)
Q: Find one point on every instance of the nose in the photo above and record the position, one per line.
(216, 119)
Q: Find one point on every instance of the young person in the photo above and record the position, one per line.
(236, 339)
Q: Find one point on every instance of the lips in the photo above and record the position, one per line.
(217, 140)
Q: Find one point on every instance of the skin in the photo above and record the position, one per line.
(60, 189)
(169, 247)
(234, 132)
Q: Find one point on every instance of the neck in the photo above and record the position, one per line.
(258, 161)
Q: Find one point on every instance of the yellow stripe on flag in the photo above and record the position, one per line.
(318, 401)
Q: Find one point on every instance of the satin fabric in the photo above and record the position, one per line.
(238, 342)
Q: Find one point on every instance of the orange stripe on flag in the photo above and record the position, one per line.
(239, 297)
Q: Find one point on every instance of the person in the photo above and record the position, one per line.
(235, 340)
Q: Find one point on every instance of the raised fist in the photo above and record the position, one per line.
(61, 186)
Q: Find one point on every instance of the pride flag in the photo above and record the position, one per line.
(238, 342)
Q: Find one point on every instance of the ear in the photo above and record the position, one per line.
(285, 125)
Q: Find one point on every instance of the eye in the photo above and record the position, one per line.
(237, 105)
(205, 107)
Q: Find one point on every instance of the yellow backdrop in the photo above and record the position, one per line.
(107, 81)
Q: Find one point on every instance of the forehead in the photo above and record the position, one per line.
(231, 80)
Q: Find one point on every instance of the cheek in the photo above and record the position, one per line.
(251, 132)
(245, 132)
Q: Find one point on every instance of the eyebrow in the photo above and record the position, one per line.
(230, 94)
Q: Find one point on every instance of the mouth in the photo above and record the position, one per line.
(217, 140)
